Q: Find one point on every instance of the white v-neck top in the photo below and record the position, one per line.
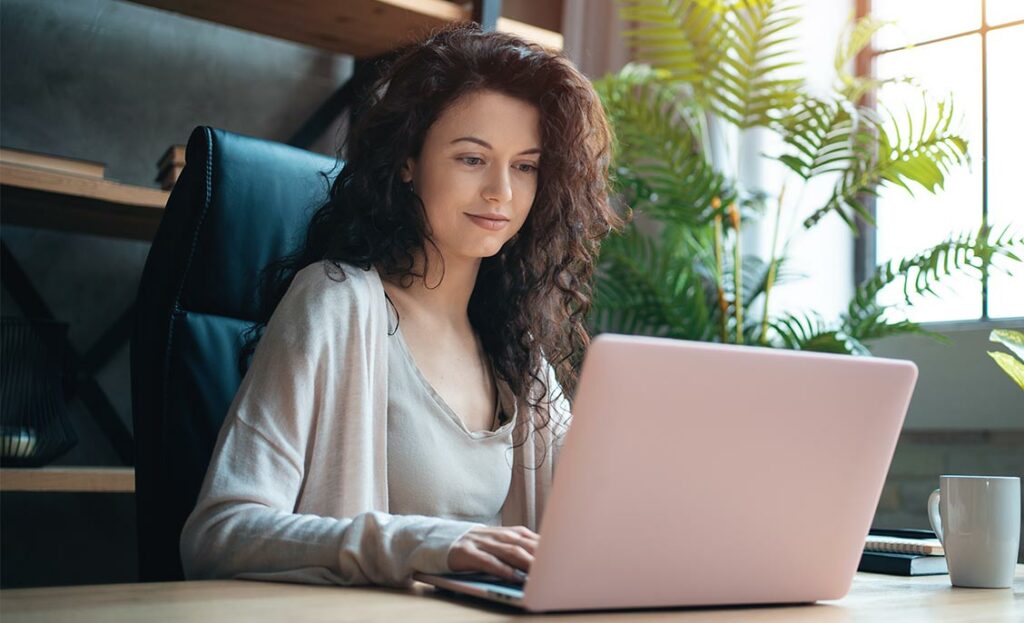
(299, 483)
(437, 466)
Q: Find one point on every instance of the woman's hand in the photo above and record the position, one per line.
(500, 551)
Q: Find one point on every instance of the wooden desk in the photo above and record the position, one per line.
(75, 479)
(872, 598)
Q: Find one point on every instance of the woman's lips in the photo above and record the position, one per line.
(491, 224)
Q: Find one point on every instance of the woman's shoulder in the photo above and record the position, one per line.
(338, 272)
(331, 280)
(326, 288)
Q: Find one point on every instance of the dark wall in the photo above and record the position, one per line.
(118, 83)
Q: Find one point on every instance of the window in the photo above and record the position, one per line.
(973, 50)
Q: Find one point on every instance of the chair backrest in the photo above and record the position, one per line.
(239, 203)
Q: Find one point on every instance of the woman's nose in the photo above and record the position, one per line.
(499, 186)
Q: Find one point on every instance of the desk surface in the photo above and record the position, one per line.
(872, 598)
(78, 479)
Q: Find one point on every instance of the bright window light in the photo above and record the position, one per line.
(1005, 141)
(941, 44)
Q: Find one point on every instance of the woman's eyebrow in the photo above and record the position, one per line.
(483, 143)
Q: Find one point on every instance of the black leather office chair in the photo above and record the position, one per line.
(239, 203)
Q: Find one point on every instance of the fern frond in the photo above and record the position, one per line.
(660, 148)
(921, 154)
(755, 276)
(924, 157)
(746, 86)
(729, 53)
(826, 136)
(918, 275)
(811, 332)
(685, 38)
(643, 289)
(853, 41)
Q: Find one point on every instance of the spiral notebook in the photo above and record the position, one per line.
(920, 542)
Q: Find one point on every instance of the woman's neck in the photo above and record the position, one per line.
(446, 287)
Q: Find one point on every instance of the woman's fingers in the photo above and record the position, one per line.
(490, 563)
(523, 530)
(505, 552)
(515, 538)
(509, 554)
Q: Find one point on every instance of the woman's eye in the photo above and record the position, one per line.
(475, 161)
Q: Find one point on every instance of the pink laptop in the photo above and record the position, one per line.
(699, 474)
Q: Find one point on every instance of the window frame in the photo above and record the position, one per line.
(866, 244)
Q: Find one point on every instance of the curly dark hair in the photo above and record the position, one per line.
(531, 299)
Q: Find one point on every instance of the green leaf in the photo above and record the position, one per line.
(1014, 340)
(907, 154)
(826, 135)
(732, 61)
(1011, 366)
(918, 275)
(693, 31)
(647, 289)
(836, 342)
(660, 155)
(854, 40)
(755, 278)
(730, 54)
(810, 332)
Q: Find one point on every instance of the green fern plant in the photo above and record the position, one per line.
(713, 69)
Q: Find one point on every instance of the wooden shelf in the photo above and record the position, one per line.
(32, 160)
(69, 479)
(362, 28)
(38, 190)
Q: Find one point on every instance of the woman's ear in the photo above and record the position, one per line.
(407, 169)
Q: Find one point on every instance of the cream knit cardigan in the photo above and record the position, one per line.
(297, 489)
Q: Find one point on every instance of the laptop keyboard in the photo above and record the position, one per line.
(486, 578)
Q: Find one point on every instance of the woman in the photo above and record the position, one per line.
(403, 409)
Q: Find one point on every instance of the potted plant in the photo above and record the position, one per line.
(713, 70)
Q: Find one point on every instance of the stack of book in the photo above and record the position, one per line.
(903, 552)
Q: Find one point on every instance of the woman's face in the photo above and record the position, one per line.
(477, 173)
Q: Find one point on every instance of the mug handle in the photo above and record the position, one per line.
(933, 514)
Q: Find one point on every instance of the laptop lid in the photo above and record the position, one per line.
(708, 474)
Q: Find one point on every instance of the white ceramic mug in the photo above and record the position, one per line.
(977, 519)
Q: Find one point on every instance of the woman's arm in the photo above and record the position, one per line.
(310, 402)
(244, 526)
